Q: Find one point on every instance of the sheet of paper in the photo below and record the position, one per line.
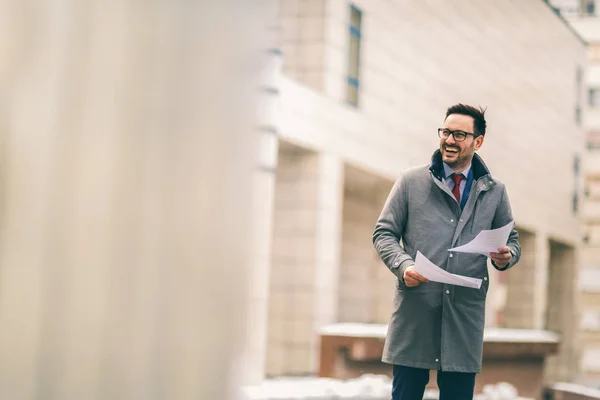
(435, 274)
(487, 241)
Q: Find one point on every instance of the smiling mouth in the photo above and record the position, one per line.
(450, 150)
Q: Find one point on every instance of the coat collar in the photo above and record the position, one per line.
(480, 170)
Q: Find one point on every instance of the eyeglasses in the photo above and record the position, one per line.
(459, 136)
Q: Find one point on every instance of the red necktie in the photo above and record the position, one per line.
(456, 189)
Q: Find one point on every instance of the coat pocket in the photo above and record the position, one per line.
(424, 296)
(466, 295)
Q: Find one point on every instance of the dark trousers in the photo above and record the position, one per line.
(409, 384)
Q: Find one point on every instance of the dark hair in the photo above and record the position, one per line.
(478, 115)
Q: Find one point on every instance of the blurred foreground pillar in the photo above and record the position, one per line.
(252, 367)
(127, 157)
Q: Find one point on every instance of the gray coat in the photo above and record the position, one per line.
(435, 325)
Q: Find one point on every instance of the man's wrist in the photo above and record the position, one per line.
(505, 266)
(403, 268)
(512, 255)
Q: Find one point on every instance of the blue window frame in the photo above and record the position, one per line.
(353, 80)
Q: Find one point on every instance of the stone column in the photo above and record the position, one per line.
(330, 192)
(521, 287)
(563, 311)
(306, 246)
(367, 287)
(254, 363)
(128, 153)
(518, 298)
(540, 280)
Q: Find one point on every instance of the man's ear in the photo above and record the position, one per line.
(479, 141)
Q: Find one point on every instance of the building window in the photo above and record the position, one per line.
(578, 94)
(577, 175)
(573, 8)
(589, 7)
(594, 97)
(353, 83)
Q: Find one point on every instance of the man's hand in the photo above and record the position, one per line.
(502, 257)
(413, 278)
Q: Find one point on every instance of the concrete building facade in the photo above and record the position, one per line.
(125, 163)
(584, 18)
(363, 87)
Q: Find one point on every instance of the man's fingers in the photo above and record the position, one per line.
(413, 278)
(411, 282)
(416, 276)
(500, 256)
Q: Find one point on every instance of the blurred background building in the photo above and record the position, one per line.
(363, 87)
(169, 232)
(584, 18)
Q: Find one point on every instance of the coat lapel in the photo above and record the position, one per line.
(481, 185)
(482, 182)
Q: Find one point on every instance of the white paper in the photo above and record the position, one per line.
(487, 241)
(435, 274)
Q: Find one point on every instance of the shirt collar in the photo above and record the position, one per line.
(449, 171)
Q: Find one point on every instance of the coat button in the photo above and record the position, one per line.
(461, 220)
(396, 264)
(452, 220)
(437, 360)
(447, 292)
(450, 254)
(485, 278)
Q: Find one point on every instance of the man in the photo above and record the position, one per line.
(432, 209)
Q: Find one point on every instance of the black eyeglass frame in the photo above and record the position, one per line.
(453, 133)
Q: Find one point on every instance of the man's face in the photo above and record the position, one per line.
(458, 155)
